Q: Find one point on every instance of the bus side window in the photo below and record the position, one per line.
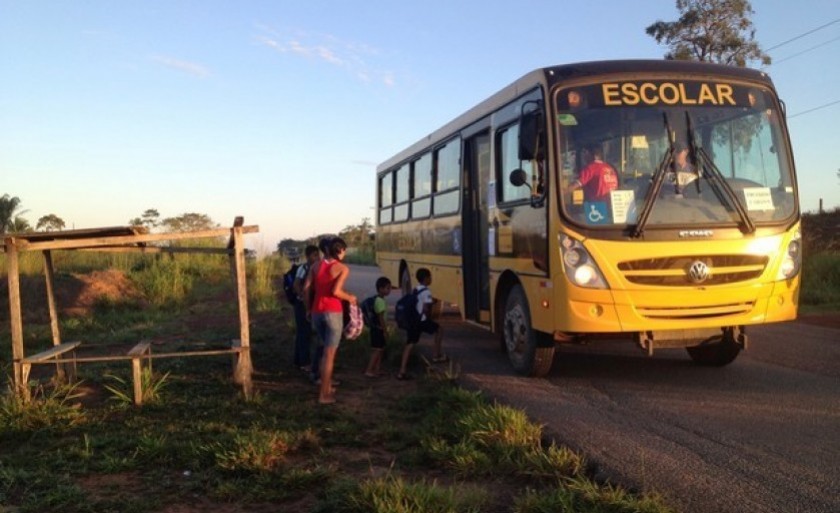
(401, 193)
(421, 203)
(447, 179)
(386, 197)
(507, 160)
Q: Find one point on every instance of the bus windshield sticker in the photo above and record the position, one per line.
(758, 198)
(577, 197)
(566, 119)
(639, 142)
(623, 206)
(596, 212)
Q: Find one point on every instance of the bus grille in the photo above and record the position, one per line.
(673, 271)
(695, 312)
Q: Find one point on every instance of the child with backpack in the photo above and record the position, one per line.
(373, 310)
(294, 293)
(413, 313)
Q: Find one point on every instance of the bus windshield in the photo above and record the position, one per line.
(676, 153)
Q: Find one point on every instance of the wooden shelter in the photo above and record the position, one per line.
(119, 239)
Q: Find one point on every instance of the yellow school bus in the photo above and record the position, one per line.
(689, 234)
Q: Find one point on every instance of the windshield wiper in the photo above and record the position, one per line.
(717, 180)
(658, 179)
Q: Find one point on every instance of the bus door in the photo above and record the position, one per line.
(476, 271)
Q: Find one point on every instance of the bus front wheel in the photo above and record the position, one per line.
(716, 354)
(525, 348)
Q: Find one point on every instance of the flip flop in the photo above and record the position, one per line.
(440, 359)
(404, 377)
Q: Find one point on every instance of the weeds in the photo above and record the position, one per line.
(486, 439)
(258, 450)
(396, 495)
(261, 290)
(583, 495)
(821, 279)
(46, 408)
(151, 387)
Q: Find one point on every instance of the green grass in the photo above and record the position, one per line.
(73, 449)
(821, 280)
(395, 495)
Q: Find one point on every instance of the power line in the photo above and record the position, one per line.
(800, 36)
(805, 51)
(829, 104)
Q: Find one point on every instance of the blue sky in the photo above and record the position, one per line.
(280, 110)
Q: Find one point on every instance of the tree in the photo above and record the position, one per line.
(49, 223)
(719, 31)
(10, 214)
(358, 235)
(188, 222)
(20, 225)
(148, 220)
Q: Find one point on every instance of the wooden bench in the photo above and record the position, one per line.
(142, 350)
(45, 357)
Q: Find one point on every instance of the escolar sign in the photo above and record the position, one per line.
(668, 93)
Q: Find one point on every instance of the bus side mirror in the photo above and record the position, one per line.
(518, 178)
(531, 135)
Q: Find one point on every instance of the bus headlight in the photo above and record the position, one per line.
(580, 268)
(792, 259)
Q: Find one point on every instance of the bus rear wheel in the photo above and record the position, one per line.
(528, 352)
(405, 281)
(716, 353)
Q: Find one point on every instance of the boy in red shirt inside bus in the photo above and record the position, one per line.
(598, 178)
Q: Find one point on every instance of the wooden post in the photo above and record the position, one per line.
(136, 353)
(13, 263)
(49, 276)
(244, 367)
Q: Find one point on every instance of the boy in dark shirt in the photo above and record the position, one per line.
(378, 328)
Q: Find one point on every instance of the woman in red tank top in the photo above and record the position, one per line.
(327, 279)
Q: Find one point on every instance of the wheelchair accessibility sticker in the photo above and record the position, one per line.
(596, 212)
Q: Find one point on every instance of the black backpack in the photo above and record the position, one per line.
(406, 314)
(289, 283)
(368, 315)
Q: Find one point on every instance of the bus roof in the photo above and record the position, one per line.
(553, 75)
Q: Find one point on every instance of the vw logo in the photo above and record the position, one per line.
(699, 272)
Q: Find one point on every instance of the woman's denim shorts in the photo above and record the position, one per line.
(329, 326)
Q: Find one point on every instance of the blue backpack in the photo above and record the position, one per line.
(289, 282)
(368, 315)
(406, 314)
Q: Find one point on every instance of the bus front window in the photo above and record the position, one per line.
(615, 142)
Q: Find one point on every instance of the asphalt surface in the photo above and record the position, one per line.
(760, 435)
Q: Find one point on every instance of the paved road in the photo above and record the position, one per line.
(761, 435)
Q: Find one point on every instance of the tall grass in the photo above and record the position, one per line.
(46, 408)
(578, 494)
(484, 438)
(821, 279)
(263, 276)
(392, 494)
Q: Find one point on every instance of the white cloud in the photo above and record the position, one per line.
(191, 68)
(349, 55)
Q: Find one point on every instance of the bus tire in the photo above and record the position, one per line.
(405, 281)
(716, 354)
(525, 352)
